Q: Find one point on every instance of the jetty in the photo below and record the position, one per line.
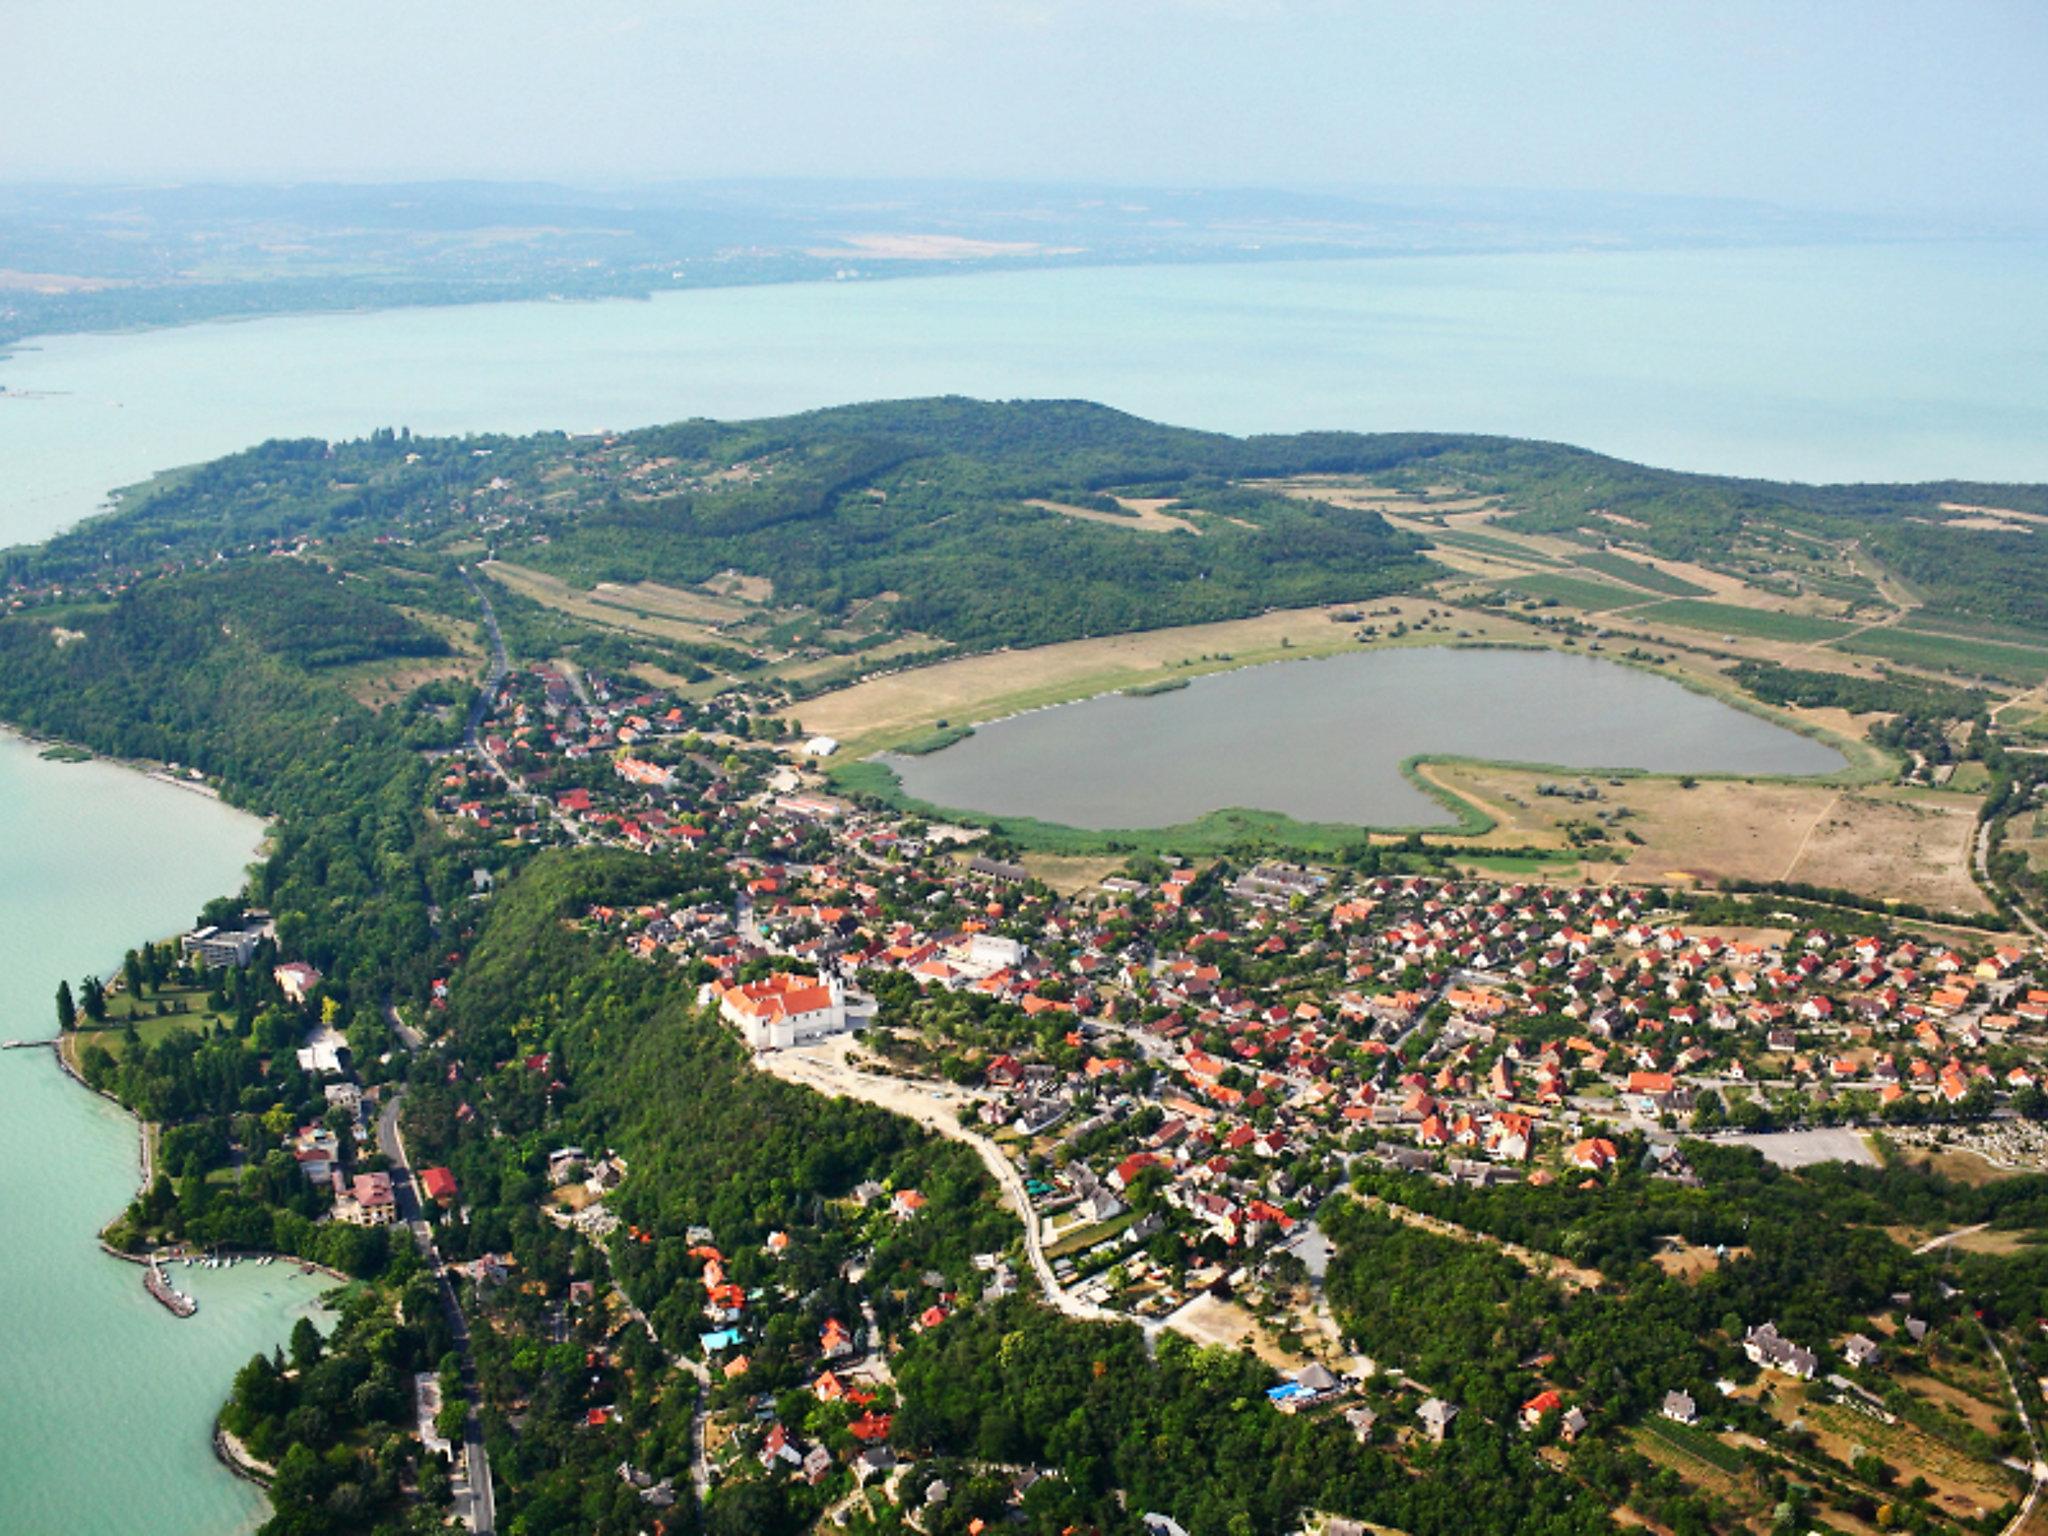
(28, 1045)
(157, 1285)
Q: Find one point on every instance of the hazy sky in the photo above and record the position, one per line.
(1836, 103)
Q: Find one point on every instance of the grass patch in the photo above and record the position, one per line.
(1762, 623)
(1088, 1236)
(150, 1026)
(65, 754)
(936, 741)
(1953, 653)
(1147, 690)
(1641, 573)
(1573, 592)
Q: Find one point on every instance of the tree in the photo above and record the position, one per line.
(94, 998)
(67, 1010)
(306, 1344)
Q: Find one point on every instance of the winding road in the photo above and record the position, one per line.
(475, 1501)
(937, 1109)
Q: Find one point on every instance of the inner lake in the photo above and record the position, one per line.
(1324, 741)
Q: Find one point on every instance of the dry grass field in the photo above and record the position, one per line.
(379, 684)
(1877, 842)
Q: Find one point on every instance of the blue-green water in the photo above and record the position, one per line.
(106, 1400)
(1820, 363)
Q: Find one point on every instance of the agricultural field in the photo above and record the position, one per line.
(1575, 592)
(1731, 619)
(1966, 657)
(1641, 573)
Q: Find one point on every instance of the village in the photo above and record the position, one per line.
(1172, 1067)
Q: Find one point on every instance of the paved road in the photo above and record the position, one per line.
(475, 1500)
(409, 1037)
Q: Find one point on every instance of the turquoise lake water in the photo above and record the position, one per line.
(106, 1400)
(1826, 363)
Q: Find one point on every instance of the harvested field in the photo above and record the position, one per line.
(669, 602)
(1142, 516)
(553, 592)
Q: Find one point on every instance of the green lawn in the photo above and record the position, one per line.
(1952, 653)
(1762, 623)
(1641, 574)
(1574, 592)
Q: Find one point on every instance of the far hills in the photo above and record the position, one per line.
(831, 542)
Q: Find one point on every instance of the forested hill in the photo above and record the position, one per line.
(971, 524)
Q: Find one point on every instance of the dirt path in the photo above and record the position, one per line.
(1804, 842)
(1573, 1277)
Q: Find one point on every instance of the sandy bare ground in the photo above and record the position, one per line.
(933, 248)
(56, 282)
(1225, 1324)
(873, 713)
(1070, 874)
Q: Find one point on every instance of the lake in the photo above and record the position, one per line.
(1840, 362)
(1324, 740)
(107, 1413)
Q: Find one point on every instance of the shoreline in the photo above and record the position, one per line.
(859, 774)
(149, 768)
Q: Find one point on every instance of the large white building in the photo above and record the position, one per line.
(785, 1010)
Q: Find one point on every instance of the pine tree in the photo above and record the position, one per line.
(67, 1010)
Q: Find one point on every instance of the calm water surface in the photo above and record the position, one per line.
(1324, 740)
(106, 1400)
(1826, 363)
